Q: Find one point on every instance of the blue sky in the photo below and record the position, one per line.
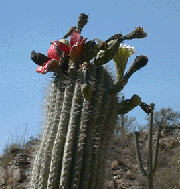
(32, 25)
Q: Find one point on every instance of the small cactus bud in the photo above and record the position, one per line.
(38, 58)
(82, 21)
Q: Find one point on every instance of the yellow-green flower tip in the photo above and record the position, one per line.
(121, 58)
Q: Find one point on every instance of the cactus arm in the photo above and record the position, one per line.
(139, 62)
(118, 86)
(128, 104)
(70, 31)
(113, 42)
(82, 21)
(138, 32)
(145, 107)
(90, 50)
(143, 171)
(156, 151)
(104, 56)
(150, 167)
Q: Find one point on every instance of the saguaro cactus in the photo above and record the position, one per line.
(150, 166)
(82, 108)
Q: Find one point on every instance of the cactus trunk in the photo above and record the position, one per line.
(74, 145)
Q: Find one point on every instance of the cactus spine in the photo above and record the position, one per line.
(83, 110)
(150, 167)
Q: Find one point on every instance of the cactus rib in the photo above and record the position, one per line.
(57, 150)
(69, 143)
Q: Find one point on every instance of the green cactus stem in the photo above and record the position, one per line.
(82, 21)
(137, 33)
(104, 56)
(139, 62)
(127, 105)
(82, 110)
(150, 166)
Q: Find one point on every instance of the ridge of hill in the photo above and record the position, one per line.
(122, 170)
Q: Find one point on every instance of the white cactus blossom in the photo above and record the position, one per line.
(121, 58)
